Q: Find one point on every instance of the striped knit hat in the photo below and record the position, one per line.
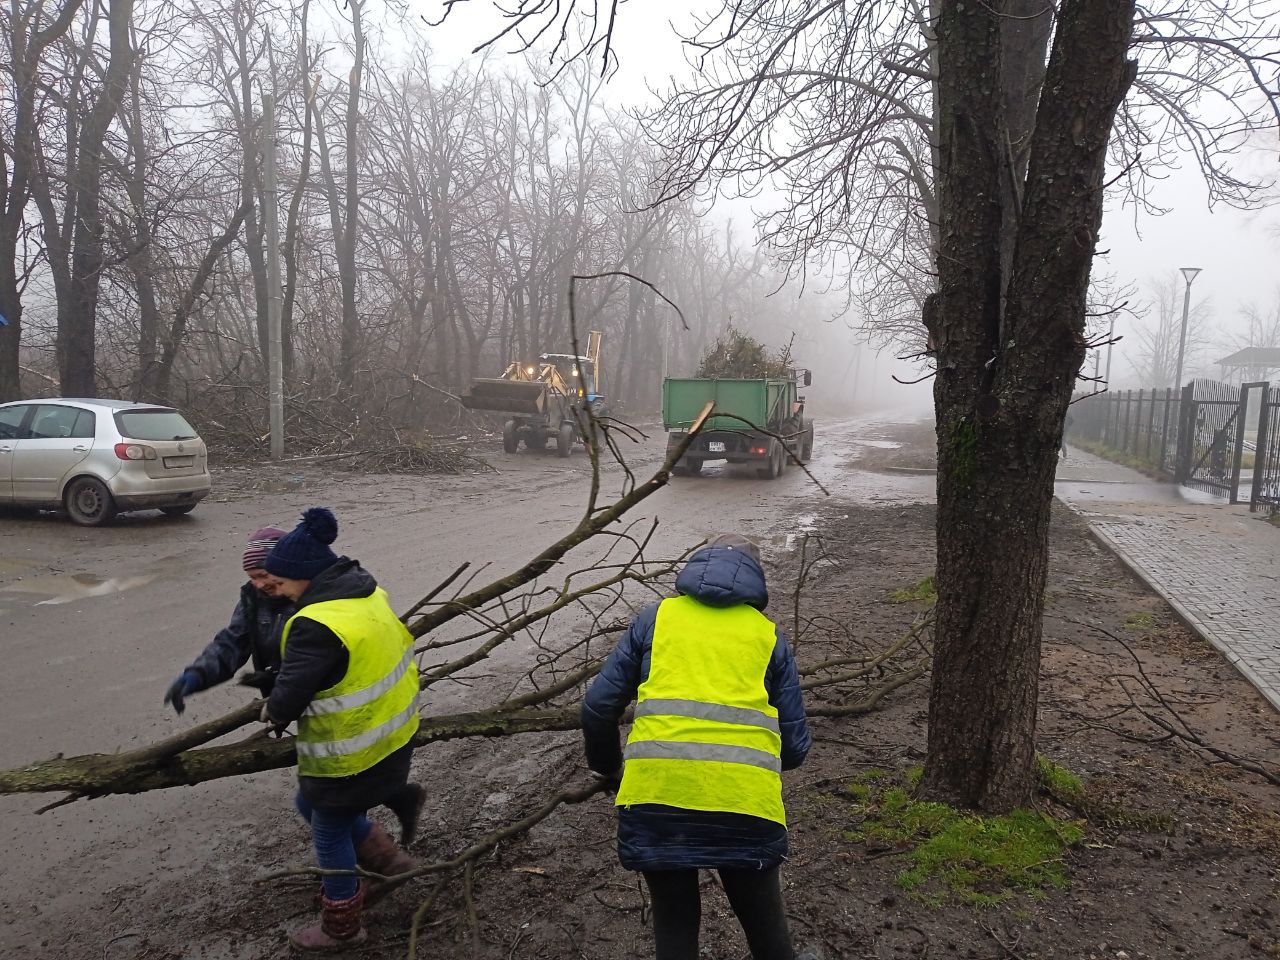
(260, 544)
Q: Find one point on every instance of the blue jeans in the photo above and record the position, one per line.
(336, 834)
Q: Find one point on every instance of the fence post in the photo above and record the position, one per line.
(1186, 433)
(1137, 424)
(1128, 411)
(1164, 431)
(1261, 446)
(1151, 427)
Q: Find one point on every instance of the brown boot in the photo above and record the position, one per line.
(339, 925)
(380, 854)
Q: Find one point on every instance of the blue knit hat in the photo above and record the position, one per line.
(303, 553)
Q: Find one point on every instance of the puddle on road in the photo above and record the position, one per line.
(878, 444)
(67, 588)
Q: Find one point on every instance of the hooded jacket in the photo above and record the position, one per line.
(655, 837)
(314, 660)
(253, 633)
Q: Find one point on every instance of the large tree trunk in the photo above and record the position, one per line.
(1001, 399)
(27, 42)
(77, 315)
(350, 349)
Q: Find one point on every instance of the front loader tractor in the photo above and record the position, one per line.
(544, 401)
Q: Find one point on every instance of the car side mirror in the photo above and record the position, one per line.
(808, 378)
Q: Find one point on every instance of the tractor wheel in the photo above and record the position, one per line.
(564, 440)
(510, 438)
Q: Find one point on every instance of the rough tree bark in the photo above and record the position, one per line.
(1001, 399)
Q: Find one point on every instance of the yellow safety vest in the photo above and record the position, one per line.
(373, 710)
(705, 736)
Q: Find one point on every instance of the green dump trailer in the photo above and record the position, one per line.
(730, 433)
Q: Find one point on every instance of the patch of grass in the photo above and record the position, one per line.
(1151, 469)
(1058, 782)
(1063, 786)
(1140, 621)
(980, 860)
(921, 592)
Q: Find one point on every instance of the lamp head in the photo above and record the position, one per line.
(1189, 273)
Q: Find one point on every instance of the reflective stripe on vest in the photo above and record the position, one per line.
(705, 736)
(373, 710)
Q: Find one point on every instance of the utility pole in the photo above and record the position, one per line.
(1111, 342)
(275, 294)
(1188, 274)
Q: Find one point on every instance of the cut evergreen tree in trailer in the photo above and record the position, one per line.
(546, 400)
(758, 414)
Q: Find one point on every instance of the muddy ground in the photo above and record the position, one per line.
(173, 875)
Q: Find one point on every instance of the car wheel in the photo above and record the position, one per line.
(179, 511)
(89, 502)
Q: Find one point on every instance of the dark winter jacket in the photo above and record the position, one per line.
(253, 633)
(655, 837)
(315, 659)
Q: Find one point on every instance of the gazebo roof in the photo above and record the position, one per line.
(1265, 357)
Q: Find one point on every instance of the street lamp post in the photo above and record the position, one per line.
(1188, 274)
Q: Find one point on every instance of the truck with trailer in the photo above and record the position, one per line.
(754, 421)
(544, 401)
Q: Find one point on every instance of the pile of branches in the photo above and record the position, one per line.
(384, 440)
(738, 356)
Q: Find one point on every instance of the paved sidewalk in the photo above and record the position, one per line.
(1218, 565)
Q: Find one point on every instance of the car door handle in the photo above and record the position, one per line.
(81, 449)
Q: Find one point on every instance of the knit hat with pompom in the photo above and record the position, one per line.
(303, 553)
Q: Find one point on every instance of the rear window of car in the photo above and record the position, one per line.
(154, 425)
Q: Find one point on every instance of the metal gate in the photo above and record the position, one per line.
(1211, 438)
(1265, 488)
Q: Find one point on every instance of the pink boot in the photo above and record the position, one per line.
(380, 854)
(339, 925)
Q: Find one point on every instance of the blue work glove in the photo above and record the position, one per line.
(185, 685)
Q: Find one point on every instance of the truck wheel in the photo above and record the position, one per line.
(774, 467)
(510, 438)
(564, 439)
(806, 447)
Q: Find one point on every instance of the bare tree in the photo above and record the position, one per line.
(29, 29)
(1156, 338)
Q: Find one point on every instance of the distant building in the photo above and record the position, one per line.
(1250, 364)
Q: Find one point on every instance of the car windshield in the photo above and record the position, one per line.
(156, 424)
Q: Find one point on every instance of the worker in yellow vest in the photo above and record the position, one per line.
(718, 717)
(349, 678)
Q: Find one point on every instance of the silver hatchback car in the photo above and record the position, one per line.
(96, 458)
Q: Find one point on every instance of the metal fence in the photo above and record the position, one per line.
(1138, 427)
(1217, 437)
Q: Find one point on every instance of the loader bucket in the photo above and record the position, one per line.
(506, 396)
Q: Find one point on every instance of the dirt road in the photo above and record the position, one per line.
(95, 623)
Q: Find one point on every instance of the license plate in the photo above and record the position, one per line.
(173, 463)
(716, 446)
